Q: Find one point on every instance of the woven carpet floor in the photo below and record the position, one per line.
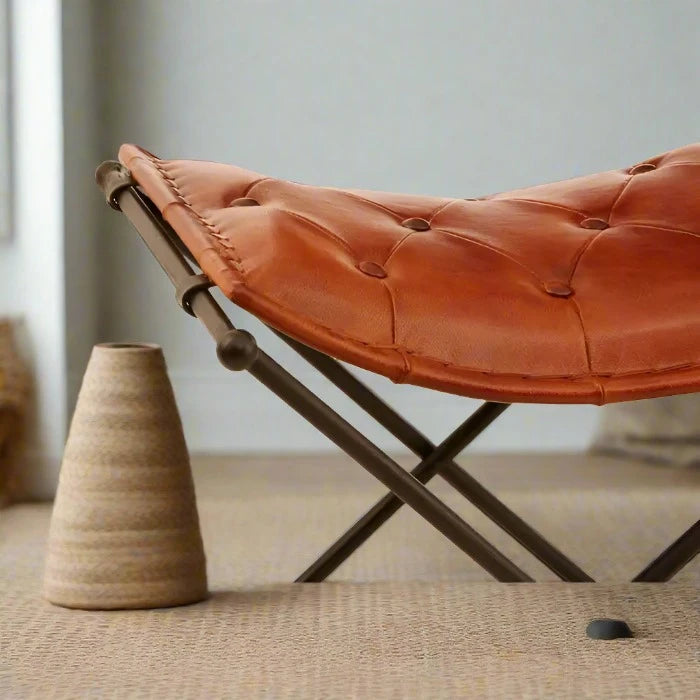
(407, 616)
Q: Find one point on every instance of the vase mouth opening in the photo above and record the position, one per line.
(129, 346)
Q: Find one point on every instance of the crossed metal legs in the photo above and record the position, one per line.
(465, 484)
(237, 350)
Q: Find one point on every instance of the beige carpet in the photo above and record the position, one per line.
(407, 616)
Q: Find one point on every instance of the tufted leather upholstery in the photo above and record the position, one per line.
(581, 291)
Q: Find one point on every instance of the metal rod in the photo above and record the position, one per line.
(319, 414)
(386, 470)
(673, 558)
(463, 482)
(156, 236)
(369, 523)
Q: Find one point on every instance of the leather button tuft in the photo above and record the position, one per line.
(595, 224)
(372, 269)
(245, 202)
(416, 224)
(558, 289)
(642, 168)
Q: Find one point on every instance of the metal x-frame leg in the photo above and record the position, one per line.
(237, 350)
(459, 479)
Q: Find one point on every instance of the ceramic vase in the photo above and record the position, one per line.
(125, 530)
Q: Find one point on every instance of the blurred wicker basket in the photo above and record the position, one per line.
(14, 398)
(665, 430)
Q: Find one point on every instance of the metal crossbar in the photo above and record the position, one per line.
(237, 350)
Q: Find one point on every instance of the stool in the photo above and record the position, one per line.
(582, 291)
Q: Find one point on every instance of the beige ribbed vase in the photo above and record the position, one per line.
(125, 530)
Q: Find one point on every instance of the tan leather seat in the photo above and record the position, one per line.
(582, 291)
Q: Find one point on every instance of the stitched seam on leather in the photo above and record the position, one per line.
(603, 392)
(617, 198)
(537, 201)
(164, 210)
(601, 375)
(680, 162)
(396, 246)
(441, 208)
(210, 227)
(392, 306)
(406, 372)
(229, 252)
(488, 246)
(661, 228)
(404, 358)
(408, 352)
(586, 345)
(575, 266)
(360, 198)
(586, 245)
(247, 190)
(322, 229)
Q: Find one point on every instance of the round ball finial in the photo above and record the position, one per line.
(237, 350)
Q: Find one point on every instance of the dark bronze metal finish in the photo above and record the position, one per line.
(386, 470)
(412, 438)
(112, 177)
(383, 509)
(187, 287)
(674, 557)
(237, 350)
